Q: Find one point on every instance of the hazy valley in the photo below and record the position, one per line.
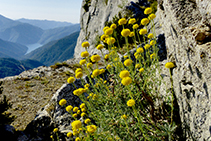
(45, 42)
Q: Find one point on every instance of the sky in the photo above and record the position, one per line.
(57, 10)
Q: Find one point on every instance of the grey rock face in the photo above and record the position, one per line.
(186, 25)
(93, 21)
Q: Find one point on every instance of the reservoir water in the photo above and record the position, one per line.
(32, 47)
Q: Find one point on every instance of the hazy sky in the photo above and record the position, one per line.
(58, 10)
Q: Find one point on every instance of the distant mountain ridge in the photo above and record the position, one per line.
(55, 51)
(45, 24)
(11, 67)
(12, 50)
(58, 33)
(17, 32)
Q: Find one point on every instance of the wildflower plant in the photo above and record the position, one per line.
(121, 101)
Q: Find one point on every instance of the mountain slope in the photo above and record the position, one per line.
(45, 24)
(58, 33)
(55, 51)
(13, 50)
(18, 32)
(11, 67)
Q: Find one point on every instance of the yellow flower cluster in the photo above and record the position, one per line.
(125, 32)
(111, 40)
(124, 73)
(132, 21)
(142, 31)
(70, 80)
(144, 21)
(128, 62)
(91, 128)
(95, 58)
(79, 91)
(100, 46)
(122, 21)
(84, 54)
(62, 102)
(85, 44)
(131, 102)
(126, 81)
(169, 65)
(76, 124)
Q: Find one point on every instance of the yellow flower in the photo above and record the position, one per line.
(142, 31)
(100, 46)
(132, 34)
(122, 21)
(108, 66)
(111, 41)
(137, 66)
(141, 70)
(148, 11)
(75, 109)
(124, 117)
(78, 112)
(169, 65)
(83, 105)
(125, 56)
(95, 58)
(78, 70)
(101, 71)
(91, 128)
(150, 35)
(105, 28)
(109, 31)
(125, 32)
(106, 56)
(75, 132)
(69, 134)
(105, 82)
(62, 102)
(96, 72)
(70, 80)
(83, 109)
(126, 81)
(147, 46)
(87, 121)
(151, 16)
(83, 114)
(94, 97)
(51, 136)
(113, 26)
(140, 50)
(85, 44)
(85, 54)
(137, 56)
(69, 108)
(135, 26)
(75, 115)
(144, 21)
(103, 37)
(128, 62)
(86, 86)
(55, 130)
(82, 62)
(89, 65)
(77, 139)
(124, 73)
(153, 42)
(152, 55)
(78, 75)
(131, 102)
(132, 21)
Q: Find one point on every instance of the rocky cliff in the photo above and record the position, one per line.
(186, 25)
(93, 19)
